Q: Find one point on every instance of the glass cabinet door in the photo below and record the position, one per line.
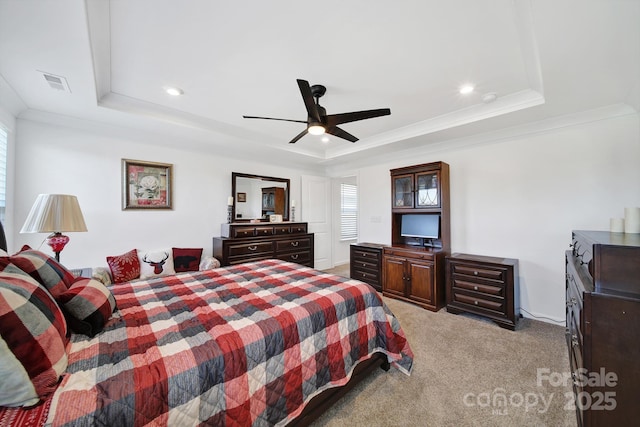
(403, 191)
(427, 194)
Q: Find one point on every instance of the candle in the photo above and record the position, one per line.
(632, 220)
(230, 201)
(293, 203)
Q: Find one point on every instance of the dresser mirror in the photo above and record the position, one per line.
(256, 197)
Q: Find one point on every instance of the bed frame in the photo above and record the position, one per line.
(319, 404)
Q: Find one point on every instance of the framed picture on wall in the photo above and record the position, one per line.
(242, 197)
(146, 185)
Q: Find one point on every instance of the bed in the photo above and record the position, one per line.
(263, 343)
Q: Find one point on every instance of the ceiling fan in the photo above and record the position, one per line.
(318, 122)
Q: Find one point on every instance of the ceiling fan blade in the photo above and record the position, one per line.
(271, 118)
(341, 133)
(337, 119)
(309, 103)
(300, 135)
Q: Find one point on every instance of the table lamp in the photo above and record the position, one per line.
(55, 213)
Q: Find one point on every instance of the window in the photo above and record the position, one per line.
(348, 211)
(3, 172)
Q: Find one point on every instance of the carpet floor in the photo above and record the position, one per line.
(467, 372)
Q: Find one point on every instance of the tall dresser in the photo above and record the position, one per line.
(603, 326)
(244, 242)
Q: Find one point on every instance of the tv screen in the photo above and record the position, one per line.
(424, 226)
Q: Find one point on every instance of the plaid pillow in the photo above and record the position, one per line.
(88, 305)
(186, 259)
(124, 267)
(46, 270)
(32, 340)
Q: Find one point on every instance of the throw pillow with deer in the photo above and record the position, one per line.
(155, 263)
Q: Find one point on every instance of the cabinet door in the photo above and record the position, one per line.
(393, 277)
(420, 287)
(428, 190)
(402, 191)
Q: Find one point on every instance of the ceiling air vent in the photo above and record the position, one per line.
(56, 82)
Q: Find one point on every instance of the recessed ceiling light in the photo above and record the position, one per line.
(489, 97)
(466, 89)
(174, 91)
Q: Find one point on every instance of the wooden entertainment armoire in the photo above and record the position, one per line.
(411, 271)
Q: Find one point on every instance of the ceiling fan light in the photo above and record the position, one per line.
(316, 129)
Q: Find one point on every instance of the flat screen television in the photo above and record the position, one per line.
(422, 226)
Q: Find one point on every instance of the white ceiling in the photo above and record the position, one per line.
(543, 59)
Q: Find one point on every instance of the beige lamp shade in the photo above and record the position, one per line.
(54, 213)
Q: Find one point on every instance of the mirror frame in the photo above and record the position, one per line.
(235, 175)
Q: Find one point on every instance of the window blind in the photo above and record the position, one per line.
(348, 211)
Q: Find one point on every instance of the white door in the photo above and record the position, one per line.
(316, 211)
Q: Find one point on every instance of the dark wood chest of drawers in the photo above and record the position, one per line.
(603, 326)
(484, 286)
(244, 242)
(366, 263)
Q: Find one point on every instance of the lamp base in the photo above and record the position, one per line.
(57, 241)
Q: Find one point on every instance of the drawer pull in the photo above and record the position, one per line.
(295, 243)
(475, 273)
(475, 302)
(252, 248)
(475, 288)
(294, 256)
(364, 264)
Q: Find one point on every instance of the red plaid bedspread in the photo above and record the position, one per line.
(236, 346)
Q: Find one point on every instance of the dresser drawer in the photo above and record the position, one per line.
(281, 229)
(367, 264)
(301, 257)
(362, 255)
(293, 244)
(480, 271)
(372, 278)
(299, 228)
(488, 289)
(478, 301)
(266, 230)
(428, 256)
(243, 232)
(250, 248)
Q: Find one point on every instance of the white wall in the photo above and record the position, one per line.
(521, 197)
(56, 159)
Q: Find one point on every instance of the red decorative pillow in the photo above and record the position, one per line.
(186, 259)
(46, 270)
(32, 340)
(87, 305)
(124, 267)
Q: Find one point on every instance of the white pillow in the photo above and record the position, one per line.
(155, 263)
